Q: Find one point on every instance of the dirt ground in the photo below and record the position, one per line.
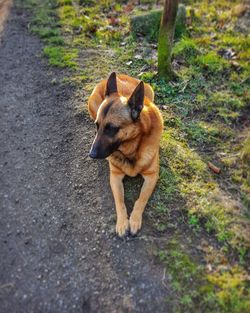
(58, 248)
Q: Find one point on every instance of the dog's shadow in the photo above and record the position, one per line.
(132, 186)
(132, 189)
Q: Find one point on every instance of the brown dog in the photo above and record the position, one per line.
(129, 127)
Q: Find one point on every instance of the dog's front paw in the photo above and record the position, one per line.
(135, 222)
(122, 226)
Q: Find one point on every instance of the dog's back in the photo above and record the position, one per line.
(125, 85)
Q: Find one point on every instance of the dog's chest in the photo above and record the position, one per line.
(124, 160)
(125, 163)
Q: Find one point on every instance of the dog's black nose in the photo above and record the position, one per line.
(96, 152)
(93, 154)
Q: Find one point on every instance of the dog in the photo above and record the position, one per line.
(129, 128)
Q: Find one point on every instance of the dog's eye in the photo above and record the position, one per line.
(111, 129)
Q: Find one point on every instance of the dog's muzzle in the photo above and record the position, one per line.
(97, 152)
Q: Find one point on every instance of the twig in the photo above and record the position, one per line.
(185, 86)
(8, 285)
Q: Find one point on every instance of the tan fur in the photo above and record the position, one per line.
(126, 85)
(139, 150)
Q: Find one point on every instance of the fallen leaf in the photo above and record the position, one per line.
(138, 57)
(214, 168)
(128, 8)
(114, 21)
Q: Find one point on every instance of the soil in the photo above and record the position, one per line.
(58, 249)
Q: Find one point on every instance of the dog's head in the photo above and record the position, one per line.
(117, 119)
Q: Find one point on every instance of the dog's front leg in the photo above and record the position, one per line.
(148, 186)
(116, 183)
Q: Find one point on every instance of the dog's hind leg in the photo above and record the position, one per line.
(122, 224)
(148, 186)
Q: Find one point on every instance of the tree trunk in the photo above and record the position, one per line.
(165, 41)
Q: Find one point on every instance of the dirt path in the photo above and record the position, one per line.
(58, 249)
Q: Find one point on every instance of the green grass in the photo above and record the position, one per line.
(195, 290)
(46, 25)
(211, 62)
(186, 48)
(58, 57)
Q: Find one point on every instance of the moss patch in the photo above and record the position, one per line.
(148, 24)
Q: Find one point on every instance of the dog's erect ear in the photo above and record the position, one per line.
(111, 85)
(136, 100)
